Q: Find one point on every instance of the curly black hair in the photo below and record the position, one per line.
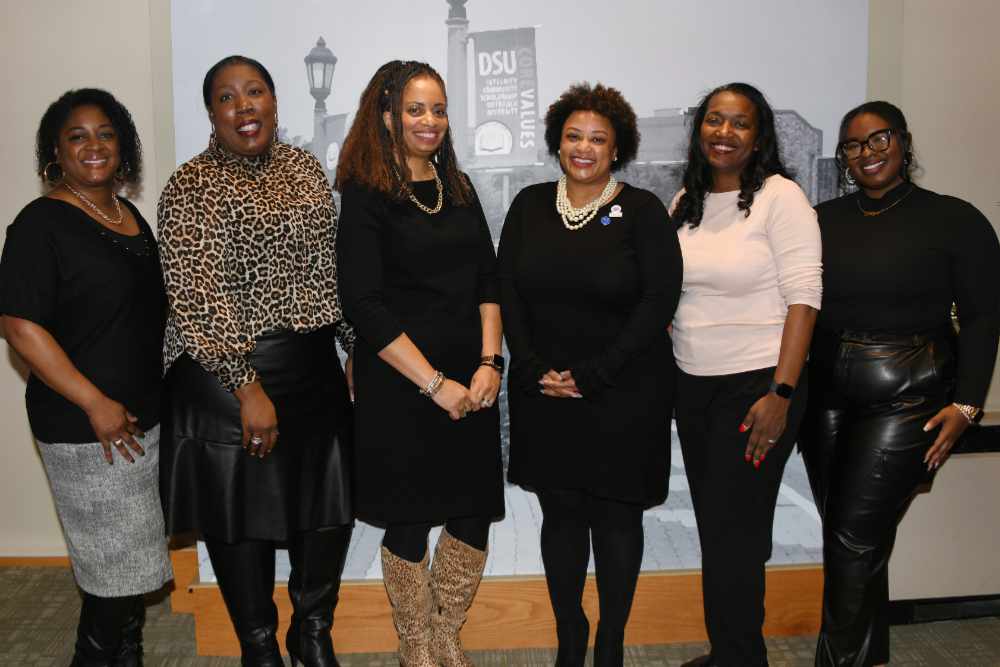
(894, 118)
(209, 80)
(764, 162)
(607, 101)
(47, 138)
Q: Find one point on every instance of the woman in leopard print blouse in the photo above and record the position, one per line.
(247, 233)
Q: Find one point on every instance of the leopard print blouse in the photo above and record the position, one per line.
(247, 246)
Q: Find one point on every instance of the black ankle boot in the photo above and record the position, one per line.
(245, 574)
(317, 559)
(130, 649)
(572, 635)
(609, 647)
(99, 632)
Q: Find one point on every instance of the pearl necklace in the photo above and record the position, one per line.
(440, 189)
(93, 207)
(581, 216)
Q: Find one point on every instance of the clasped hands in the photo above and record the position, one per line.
(559, 384)
(458, 401)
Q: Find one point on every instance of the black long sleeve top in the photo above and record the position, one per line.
(900, 272)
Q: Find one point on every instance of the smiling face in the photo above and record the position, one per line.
(728, 137)
(424, 118)
(88, 150)
(876, 172)
(242, 110)
(587, 148)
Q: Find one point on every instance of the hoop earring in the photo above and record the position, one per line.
(275, 125)
(45, 172)
(848, 178)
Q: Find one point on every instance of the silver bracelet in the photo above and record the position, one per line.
(434, 385)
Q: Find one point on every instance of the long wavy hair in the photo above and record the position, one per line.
(375, 158)
(764, 162)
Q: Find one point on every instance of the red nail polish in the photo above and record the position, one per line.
(743, 428)
(756, 463)
(746, 457)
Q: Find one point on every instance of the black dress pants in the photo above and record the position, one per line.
(733, 504)
(863, 443)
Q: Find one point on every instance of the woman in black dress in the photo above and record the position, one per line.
(83, 304)
(590, 274)
(247, 233)
(417, 271)
(892, 386)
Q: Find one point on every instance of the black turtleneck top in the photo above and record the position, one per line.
(900, 272)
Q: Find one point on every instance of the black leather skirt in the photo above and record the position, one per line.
(863, 442)
(208, 482)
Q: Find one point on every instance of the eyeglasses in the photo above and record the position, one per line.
(877, 142)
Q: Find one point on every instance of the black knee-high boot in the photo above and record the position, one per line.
(130, 650)
(99, 632)
(317, 559)
(245, 574)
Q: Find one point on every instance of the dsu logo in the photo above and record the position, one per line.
(497, 63)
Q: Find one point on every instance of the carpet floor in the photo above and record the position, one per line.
(39, 608)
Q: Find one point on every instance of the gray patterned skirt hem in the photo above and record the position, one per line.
(111, 516)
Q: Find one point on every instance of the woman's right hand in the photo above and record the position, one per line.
(115, 427)
(455, 399)
(259, 419)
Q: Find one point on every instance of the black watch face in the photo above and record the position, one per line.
(783, 390)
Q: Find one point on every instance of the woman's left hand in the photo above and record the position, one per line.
(484, 387)
(953, 424)
(766, 422)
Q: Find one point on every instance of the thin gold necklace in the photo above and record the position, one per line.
(93, 207)
(871, 214)
(440, 189)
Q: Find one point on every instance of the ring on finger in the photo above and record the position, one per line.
(118, 442)
(256, 440)
(771, 441)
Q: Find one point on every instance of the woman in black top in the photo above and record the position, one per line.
(893, 388)
(417, 271)
(590, 274)
(83, 304)
(247, 232)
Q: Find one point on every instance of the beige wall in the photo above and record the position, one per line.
(47, 48)
(937, 61)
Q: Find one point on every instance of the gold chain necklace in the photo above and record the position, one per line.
(440, 189)
(871, 214)
(93, 207)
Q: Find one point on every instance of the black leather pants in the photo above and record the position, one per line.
(863, 443)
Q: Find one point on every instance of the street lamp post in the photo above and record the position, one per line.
(320, 63)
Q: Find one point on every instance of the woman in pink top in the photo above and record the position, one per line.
(751, 292)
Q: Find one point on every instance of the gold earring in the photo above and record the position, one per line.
(45, 171)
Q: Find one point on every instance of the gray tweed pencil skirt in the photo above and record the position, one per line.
(110, 516)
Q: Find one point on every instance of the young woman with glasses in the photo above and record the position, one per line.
(892, 385)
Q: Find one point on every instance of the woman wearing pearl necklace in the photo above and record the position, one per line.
(590, 274)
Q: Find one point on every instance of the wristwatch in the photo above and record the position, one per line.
(494, 361)
(781, 389)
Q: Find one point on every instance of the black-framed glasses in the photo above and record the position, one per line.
(877, 142)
